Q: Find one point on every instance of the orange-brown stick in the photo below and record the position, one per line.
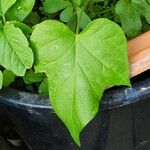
(139, 54)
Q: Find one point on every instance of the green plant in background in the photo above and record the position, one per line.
(70, 13)
(15, 53)
(76, 56)
(130, 12)
(133, 15)
(8, 77)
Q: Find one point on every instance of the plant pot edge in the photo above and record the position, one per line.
(135, 52)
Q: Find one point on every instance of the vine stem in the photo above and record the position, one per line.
(104, 11)
(4, 20)
(80, 16)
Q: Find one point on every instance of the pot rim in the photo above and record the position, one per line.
(112, 98)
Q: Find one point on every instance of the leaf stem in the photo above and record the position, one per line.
(79, 17)
(104, 11)
(79, 21)
(4, 20)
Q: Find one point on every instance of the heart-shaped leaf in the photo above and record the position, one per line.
(1, 79)
(5, 5)
(20, 10)
(80, 67)
(15, 53)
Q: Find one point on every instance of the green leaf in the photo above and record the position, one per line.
(85, 19)
(20, 10)
(53, 6)
(25, 28)
(66, 15)
(43, 88)
(30, 88)
(130, 18)
(5, 5)
(143, 7)
(15, 54)
(31, 77)
(72, 23)
(80, 67)
(1, 79)
(77, 2)
(33, 18)
(8, 77)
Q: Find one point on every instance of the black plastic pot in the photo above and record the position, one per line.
(117, 126)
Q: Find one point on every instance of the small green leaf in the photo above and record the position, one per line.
(85, 19)
(80, 67)
(15, 53)
(5, 5)
(1, 79)
(8, 77)
(25, 28)
(43, 88)
(30, 88)
(31, 77)
(53, 6)
(33, 18)
(72, 23)
(20, 10)
(66, 15)
(77, 2)
(130, 18)
(143, 7)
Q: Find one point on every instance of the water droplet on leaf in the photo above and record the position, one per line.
(18, 8)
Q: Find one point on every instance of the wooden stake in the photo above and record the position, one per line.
(139, 54)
